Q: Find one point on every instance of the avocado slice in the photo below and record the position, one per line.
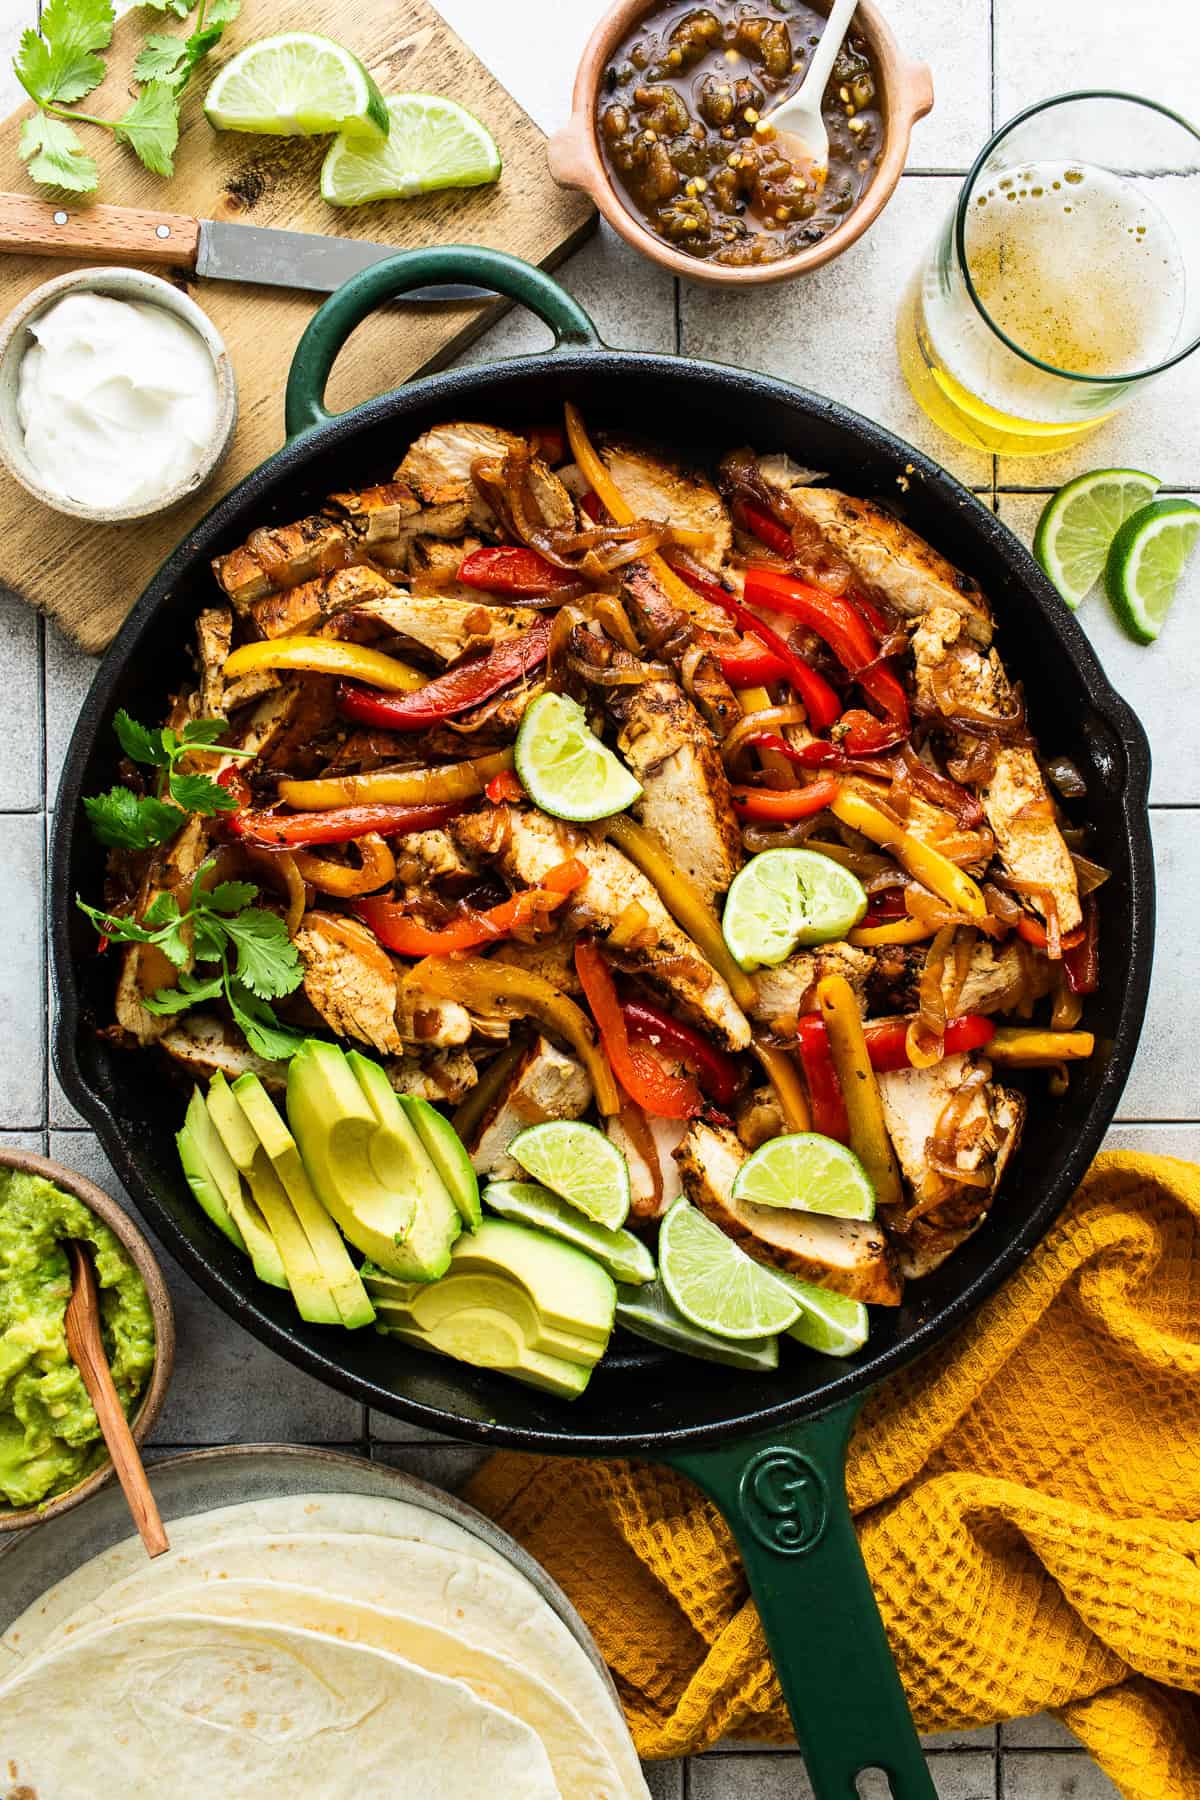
(338, 1135)
(529, 1203)
(310, 1290)
(492, 1341)
(206, 1148)
(325, 1241)
(569, 1289)
(650, 1313)
(399, 1157)
(448, 1154)
(201, 1177)
(430, 1302)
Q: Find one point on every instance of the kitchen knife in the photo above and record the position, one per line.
(217, 251)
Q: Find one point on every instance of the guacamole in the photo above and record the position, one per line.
(49, 1435)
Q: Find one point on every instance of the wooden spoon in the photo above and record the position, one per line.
(86, 1345)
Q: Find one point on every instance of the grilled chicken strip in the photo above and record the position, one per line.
(651, 1190)
(887, 560)
(311, 604)
(998, 977)
(952, 677)
(349, 980)
(446, 624)
(283, 556)
(144, 968)
(426, 856)
(546, 1084)
(683, 640)
(204, 1046)
(527, 845)
(789, 990)
(835, 1253)
(987, 1131)
(552, 958)
(665, 491)
(443, 1078)
(438, 466)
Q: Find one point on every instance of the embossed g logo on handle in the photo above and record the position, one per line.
(784, 1500)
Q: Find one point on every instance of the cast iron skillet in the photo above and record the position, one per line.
(767, 1448)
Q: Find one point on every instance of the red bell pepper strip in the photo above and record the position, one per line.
(871, 613)
(505, 788)
(648, 1024)
(235, 783)
(786, 804)
(1082, 960)
(448, 694)
(339, 825)
(398, 931)
(820, 700)
(826, 1102)
(1034, 932)
(642, 1076)
(750, 664)
(513, 569)
(767, 530)
(860, 733)
(887, 1040)
(845, 631)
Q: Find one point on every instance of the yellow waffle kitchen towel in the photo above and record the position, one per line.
(1027, 1498)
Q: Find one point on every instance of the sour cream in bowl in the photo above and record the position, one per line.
(117, 397)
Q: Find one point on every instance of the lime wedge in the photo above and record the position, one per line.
(624, 1256)
(578, 1163)
(564, 767)
(831, 1323)
(807, 1173)
(1146, 561)
(431, 143)
(1080, 522)
(649, 1313)
(296, 85)
(714, 1284)
(785, 898)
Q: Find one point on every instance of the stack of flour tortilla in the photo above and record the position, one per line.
(326, 1644)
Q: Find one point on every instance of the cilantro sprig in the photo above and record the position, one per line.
(58, 63)
(223, 947)
(125, 821)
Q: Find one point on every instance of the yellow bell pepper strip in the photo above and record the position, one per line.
(690, 911)
(397, 787)
(892, 931)
(593, 469)
(923, 862)
(864, 1109)
(326, 656)
(1032, 1047)
(757, 699)
(490, 987)
(377, 869)
(780, 1071)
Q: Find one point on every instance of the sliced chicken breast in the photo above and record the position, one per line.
(144, 969)
(309, 605)
(546, 1084)
(840, 1254)
(527, 845)
(789, 990)
(652, 1189)
(214, 635)
(283, 556)
(663, 490)
(446, 624)
(205, 1046)
(438, 466)
(443, 1077)
(350, 980)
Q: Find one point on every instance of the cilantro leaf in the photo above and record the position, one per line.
(162, 910)
(262, 1030)
(231, 896)
(268, 962)
(222, 12)
(210, 940)
(191, 990)
(181, 8)
(200, 794)
(151, 127)
(124, 822)
(112, 925)
(57, 62)
(162, 58)
(55, 156)
(139, 742)
(202, 731)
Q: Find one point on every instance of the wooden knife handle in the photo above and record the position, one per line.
(113, 233)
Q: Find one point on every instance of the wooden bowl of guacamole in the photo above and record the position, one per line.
(52, 1454)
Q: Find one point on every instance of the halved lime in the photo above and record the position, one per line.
(1080, 522)
(578, 1163)
(1146, 561)
(785, 898)
(716, 1285)
(831, 1323)
(565, 768)
(807, 1173)
(296, 84)
(432, 143)
(624, 1256)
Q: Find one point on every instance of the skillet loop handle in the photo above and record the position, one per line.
(329, 327)
(784, 1497)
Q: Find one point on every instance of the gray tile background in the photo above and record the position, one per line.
(832, 332)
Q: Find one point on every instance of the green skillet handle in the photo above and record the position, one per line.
(784, 1497)
(329, 328)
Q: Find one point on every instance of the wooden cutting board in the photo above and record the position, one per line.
(87, 577)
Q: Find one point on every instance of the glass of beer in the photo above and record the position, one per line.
(1066, 278)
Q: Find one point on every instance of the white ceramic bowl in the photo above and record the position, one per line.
(118, 284)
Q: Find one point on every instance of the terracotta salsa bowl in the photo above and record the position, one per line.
(576, 160)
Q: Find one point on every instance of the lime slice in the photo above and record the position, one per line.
(807, 1173)
(649, 1313)
(564, 767)
(831, 1323)
(431, 143)
(296, 85)
(1078, 525)
(578, 1163)
(624, 1256)
(1146, 561)
(716, 1285)
(785, 898)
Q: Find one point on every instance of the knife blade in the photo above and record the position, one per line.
(216, 249)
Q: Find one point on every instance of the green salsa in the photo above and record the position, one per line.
(49, 1435)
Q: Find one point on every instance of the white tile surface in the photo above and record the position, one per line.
(69, 672)
(1041, 1732)
(20, 742)
(957, 1775)
(1046, 1777)
(22, 981)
